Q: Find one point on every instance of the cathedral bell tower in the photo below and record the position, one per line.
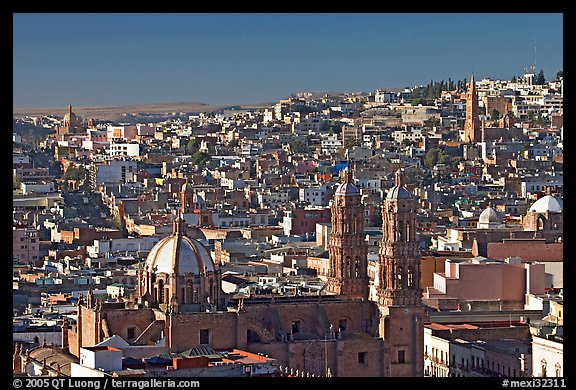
(472, 130)
(348, 250)
(398, 291)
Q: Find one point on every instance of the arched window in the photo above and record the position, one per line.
(540, 223)
(407, 232)
(558, 369)
(544, 364)
(357, 267)
(160, 291)
(189, 292)
(410, 276)
(399, 277)
(347, 267)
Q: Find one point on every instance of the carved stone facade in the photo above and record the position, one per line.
(399, 293)
(348, 250)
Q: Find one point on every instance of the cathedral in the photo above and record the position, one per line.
(476, 130)
(72, 124)
(179, 303)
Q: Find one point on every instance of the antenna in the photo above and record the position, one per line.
(534, 66)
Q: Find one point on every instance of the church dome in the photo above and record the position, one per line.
(398, 193)
(70, 119)
(548, 203)
(69, 116)
(489, 215)
(347, 189)
(178, 254)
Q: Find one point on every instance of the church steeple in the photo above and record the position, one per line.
(348, 250)
(399, 257)
(472, 123)
(398, 292)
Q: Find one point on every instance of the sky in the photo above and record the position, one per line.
(104, 59)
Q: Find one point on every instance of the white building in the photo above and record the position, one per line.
(315, 196)
(124, 149)
(97, 361)
(547, 357)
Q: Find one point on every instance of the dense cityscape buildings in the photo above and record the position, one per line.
(410, 232)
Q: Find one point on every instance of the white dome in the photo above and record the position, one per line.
(547, 203)
(180, 255)
(489, 215)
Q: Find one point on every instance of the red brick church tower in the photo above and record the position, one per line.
(472, 131)
(348, 250)
(398, 292)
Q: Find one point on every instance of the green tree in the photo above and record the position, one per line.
(444, 158)
(376, 219)
(559, 75)
(431, 157)
(192, 146)
(200, 158)
(431, 122)
(408, 142)
(299, 147)
(351, 142)
(75, 173)
(418, 101)
(15, 182)
(540, 79)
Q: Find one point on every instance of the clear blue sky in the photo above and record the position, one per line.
(240, 58)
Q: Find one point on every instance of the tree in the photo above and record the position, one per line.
(444, 158)
(540, 79)
(351, 142)
(75, 173)
(559, 75)
(200, 158)
(299, 147)
(192, 146)
(431, 157)
(377, 217)
(409, 142)
(513, 79)
(417, 101)
(431, 122)
(15, 182)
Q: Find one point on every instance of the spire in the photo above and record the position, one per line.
(177, 226)
(348, 177)
(399, 178)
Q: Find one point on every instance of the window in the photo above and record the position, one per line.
(131, 333)
(401, 356)
(342, 324)
(204, 336)
(295, 326)
(363, 358)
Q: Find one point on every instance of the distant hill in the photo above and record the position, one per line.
(116, 113)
